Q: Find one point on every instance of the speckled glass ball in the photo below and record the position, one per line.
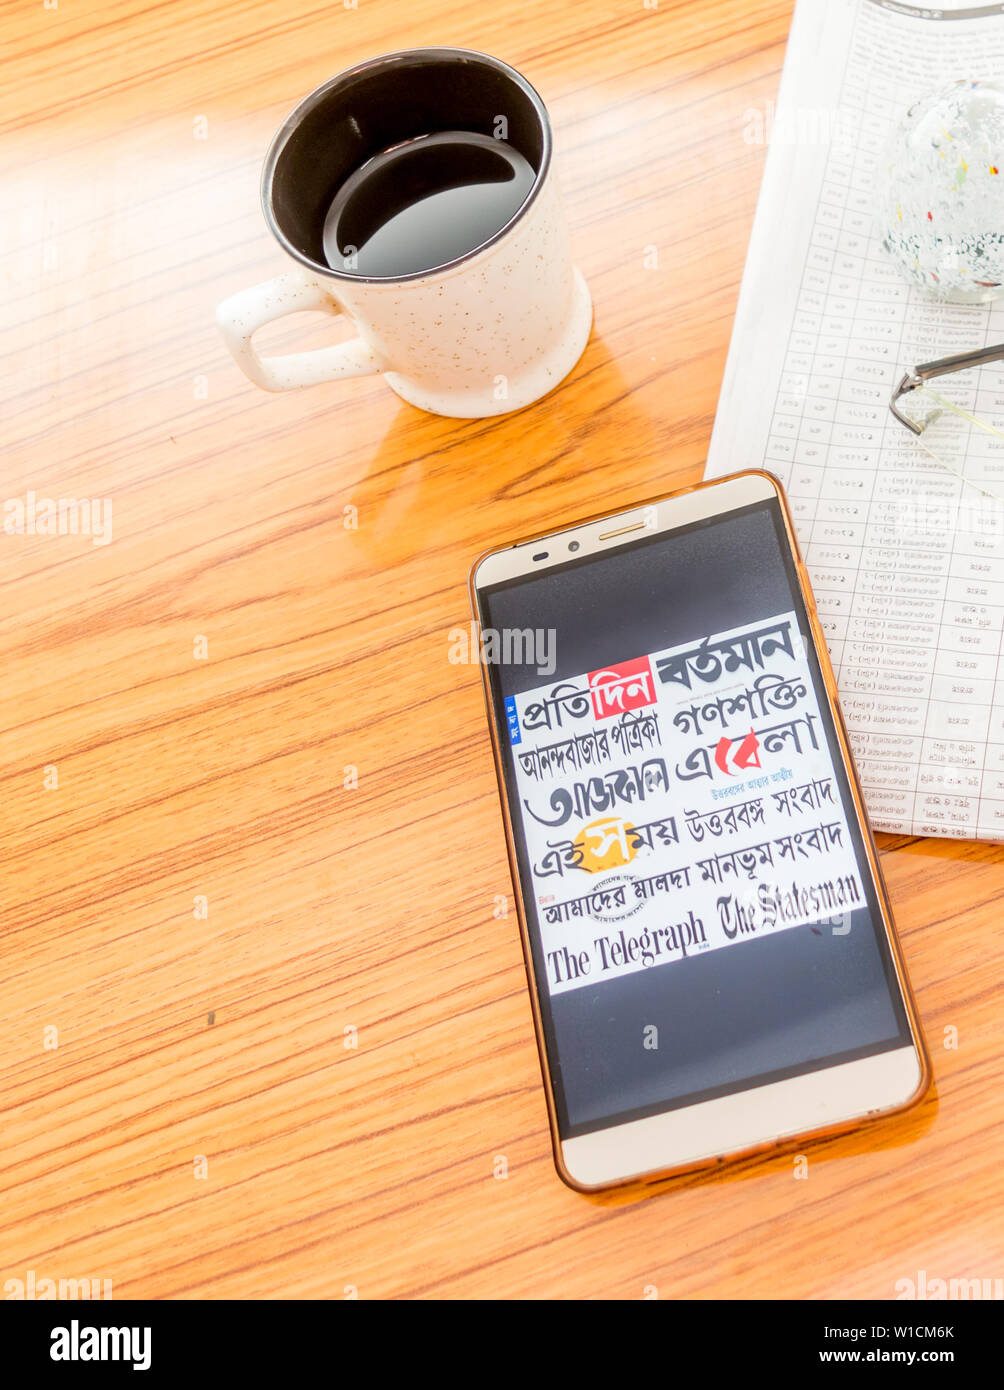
(941, 201)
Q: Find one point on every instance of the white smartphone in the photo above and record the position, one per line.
(708, 943)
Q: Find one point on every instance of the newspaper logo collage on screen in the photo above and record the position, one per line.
(680, 802)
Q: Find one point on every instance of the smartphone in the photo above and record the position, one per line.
(708, 943)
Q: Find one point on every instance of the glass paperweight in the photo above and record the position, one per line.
(941, 201)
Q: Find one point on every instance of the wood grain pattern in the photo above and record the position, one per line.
(332, 906)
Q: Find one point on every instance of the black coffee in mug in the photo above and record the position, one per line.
(406, 164)
(425, 202)
(416, 193)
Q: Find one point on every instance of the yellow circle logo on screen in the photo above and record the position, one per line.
(605, 844)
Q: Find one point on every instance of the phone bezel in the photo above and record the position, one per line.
(813, 1105)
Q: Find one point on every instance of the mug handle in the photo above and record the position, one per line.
(240, 316)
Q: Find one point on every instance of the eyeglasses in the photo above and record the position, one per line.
(959, 439)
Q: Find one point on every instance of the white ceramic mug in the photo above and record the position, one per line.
(488, 332)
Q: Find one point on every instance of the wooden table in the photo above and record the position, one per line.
(250, 815)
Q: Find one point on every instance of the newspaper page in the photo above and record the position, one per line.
(906, 560)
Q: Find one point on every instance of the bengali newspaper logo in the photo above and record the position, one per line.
(605, 845)
(734, 760)
(618, 689)
(611, 901)
(698, 774)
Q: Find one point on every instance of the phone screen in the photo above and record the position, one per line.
(700, 908)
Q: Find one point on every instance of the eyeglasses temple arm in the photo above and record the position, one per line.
(959, 362)
(940, 367)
